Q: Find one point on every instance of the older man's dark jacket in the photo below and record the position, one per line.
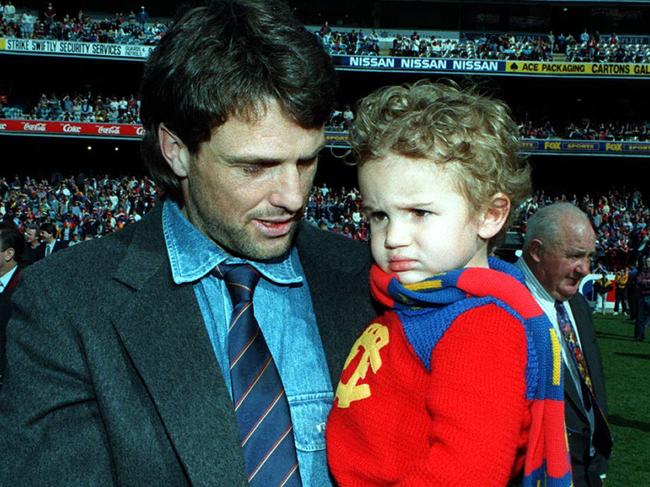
(587, 468)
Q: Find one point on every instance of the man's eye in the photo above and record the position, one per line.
(252, 169)
(308, 162)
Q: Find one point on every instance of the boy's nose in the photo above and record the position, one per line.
(397, 235)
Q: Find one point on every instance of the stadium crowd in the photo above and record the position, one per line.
(138, 28)
(619, 130)
(131, 28)
(592, 47)
(484, 46)
(353, 42)
(71, 210)
(77, 107)
(501, 46)
(83, 208)
(586, 129)
(90, 107)
(80, 208)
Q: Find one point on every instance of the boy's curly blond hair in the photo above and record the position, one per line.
(473, 134)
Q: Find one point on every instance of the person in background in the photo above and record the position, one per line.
(621, 280)
(631, 290)
(143, 17)
(558, 248)
(643, 307)
(602, 287)
(11, 247)
(49, 242)
(33, 250)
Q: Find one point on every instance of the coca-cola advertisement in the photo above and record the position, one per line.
(73, 129)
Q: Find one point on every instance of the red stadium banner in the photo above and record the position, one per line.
(74, 129)
(334, 138)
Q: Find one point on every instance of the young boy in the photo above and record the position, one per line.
(459, 381)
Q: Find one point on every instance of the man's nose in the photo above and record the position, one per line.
(289, 191)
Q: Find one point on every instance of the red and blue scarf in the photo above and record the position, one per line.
(427, 309)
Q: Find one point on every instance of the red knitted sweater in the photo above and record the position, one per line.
(464, 423)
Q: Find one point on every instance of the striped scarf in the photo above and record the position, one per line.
(453, 293)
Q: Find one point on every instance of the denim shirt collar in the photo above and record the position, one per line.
(192, 255)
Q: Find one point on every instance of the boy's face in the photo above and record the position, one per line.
(420, 223)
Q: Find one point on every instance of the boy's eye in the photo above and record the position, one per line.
(377, 217)
(420, 213)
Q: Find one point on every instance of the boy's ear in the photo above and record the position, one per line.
(494, 216)
(174, 151)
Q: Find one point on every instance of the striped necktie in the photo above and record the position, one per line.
(571, 341)
(602, 436)
(261, 405)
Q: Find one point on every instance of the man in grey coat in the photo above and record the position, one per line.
(122, 374)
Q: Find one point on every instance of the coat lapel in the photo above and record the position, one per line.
(13, 281)
(338, 283)
(165, 337)
(571, 394)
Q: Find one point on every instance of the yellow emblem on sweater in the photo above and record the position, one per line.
(373, 339)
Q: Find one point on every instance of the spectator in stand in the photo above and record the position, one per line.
(49, 14)
(561, 43)
(27, 21)
(621, 280)
(49, 242)
(632, 297)
(643, 299)
(142, 17)
(602, 287)
(9, 13)
(32, 251)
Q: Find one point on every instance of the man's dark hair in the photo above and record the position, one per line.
(49, 228)
(10, 238)
(228, 58)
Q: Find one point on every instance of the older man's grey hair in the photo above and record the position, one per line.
(546, 224)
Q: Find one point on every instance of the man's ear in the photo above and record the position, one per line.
(535, 250)
(494, 216)
(174, 151)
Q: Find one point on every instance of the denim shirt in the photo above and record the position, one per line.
(285, 314)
